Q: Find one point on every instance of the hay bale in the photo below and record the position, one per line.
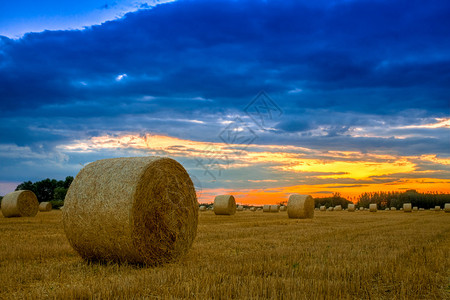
(338, 208)
(407, 207)
(415, 208)
(373, 207)
(45, 206)
(387, 208)
(266, 208)
(134, 209)
(202, 208)
(300, 207)
(259, 209)
(393, 208)
(351, 207)
(283, 208)
(322, 208)
(330, 208)
(21, 203)
(240, 208)
(224, 205)
(437, 208)
(401, 208)
(421, 209)
(447, 207)
(274, 208)
(252, 208)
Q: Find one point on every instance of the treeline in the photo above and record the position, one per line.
(332, 201)
(48, 190)
(396, 199)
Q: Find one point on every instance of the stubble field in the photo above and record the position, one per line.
(251, 255)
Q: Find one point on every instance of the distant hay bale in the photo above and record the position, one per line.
(361, 208)
(338, 208)
(202, 208)
(351, 207)
(415, 208)
(259, 209)
(45, 206)
(447, 207)
(387, 208)
(224, 205)
(330, 208)
(274, 208)
(431, 209)
(266, 208)
(373, 207)
(401, 208)
(21, 203)
(283, 208)
(134, 209)
(300, 207)
(421, 209)
(393, 208)
(407, 207)
(252, 208)
(322, 208)
(240, 208)
(437, 208)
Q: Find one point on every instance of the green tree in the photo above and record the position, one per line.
(59, 193)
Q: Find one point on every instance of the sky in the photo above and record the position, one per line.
(255, 98)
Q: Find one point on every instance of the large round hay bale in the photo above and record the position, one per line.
(407, 207)
(274, 208)
(447, 207)
(135, 209)
(224, 205)
(322, 208)
(300, 206)
(351, 207)
(21, 203)
(45, 206)
(266, 208)
(373, 207)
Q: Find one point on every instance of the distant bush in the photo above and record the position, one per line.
(332, 201)
(396, 199)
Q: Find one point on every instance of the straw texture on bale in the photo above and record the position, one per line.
(407, 207)
(21, 203)
(373, 207)
(437, 208)
(224, 205)
(266, 208)
(351, 207)
(137, 209)
(274, 208)
(300, 206)
(323, 208)
(45, 206)
(447, 207)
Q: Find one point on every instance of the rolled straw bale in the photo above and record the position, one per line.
(266, 208)
(338, 208)
(317, 209)
(252, 208)
(240, 208)
(407, 207)
(134, 209)
(202, 208)
(259, 209)
(387, 208)
(274, 208)
(322, 208)
(373, 207)
(300, 207)
(351, 207)
(431, 209)
(421, 209)
(415, 208)
(401, 208)
(447, 207)
(21, 203)
(224, 205)
(393, 208)
(437, 208)
(330, 208)
(283, 208)
(45, 206)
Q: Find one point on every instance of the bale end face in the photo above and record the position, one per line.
(373, 207)
(21, 203)
(300, 207)
(224, 205)
(351, 207)
(45, 206)
(447, 207)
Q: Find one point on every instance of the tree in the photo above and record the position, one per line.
(59, 193)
